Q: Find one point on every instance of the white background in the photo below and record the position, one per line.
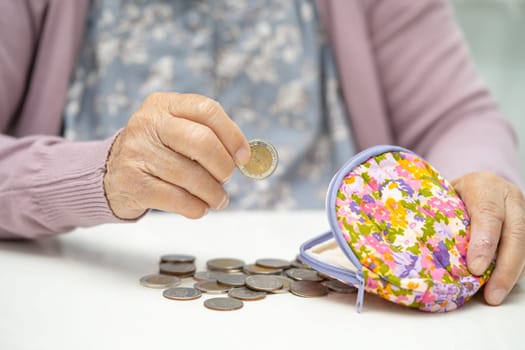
(82, 291)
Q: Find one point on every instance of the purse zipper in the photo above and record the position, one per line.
(353, 278)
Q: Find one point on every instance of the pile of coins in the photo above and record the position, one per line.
(239, 281)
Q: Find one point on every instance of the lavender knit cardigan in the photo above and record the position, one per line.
(406, 75)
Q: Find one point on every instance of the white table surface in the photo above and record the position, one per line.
(81, 291)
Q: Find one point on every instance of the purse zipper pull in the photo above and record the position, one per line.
(360, 292)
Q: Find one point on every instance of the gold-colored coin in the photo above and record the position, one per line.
(273, 263)
(254, 269)
(159, 281)
(263, 161)
(177, 269)
(287, 282)
(212, 287)
(225, 264)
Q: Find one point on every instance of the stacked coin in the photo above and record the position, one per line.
(239, 281)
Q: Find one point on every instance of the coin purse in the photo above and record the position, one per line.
(398, 230)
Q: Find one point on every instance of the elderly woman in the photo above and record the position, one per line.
(93, 131)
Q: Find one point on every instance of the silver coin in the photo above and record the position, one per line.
(263, 283)
(324, 275)
(212, 287)
(303, 275)
(232, 279)
(177, 269)
(263, 161)
(182, 293)
(254, 269)
(308, 289)
(177, 258)
(225, 264)
(159, 281)
(223, 304)
(273, 263)
(339, 287)
(244, 293)
(206, 275)
(286, 285)
(299, 265)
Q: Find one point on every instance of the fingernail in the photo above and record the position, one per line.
(478, 265)
(225, 181)
(242, 156)
(497, 296)
(224, 203)
(205, 211)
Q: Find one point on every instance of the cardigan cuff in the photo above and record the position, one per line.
(74, 195)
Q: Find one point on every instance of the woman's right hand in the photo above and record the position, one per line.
(175, 154)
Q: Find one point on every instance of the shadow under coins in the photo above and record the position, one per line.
(374, 304)
(84, 252)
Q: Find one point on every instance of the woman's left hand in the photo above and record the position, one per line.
(497, 213)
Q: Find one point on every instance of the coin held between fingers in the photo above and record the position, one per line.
(263, 161)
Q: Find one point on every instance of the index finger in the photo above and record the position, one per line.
(486, 208)
(511, 257)
(209, 112)
(487, 219)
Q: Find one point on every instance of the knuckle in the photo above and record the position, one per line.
(154, 97)
(518, 232)
(204, 105)
(147, 166)
(200, 134)
(490, 210)
(194, 98)
(486, 176)
(515, 195)
(211, 106)
(484, 243)
(479, 182)
(136, 121)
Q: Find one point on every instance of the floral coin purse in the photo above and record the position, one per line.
(398, 230)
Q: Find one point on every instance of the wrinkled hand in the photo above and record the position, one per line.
(175, 154)
(497, 212)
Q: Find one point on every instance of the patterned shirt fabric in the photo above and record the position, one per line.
(266, 62)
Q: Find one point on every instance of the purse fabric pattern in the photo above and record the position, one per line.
(410, 231)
